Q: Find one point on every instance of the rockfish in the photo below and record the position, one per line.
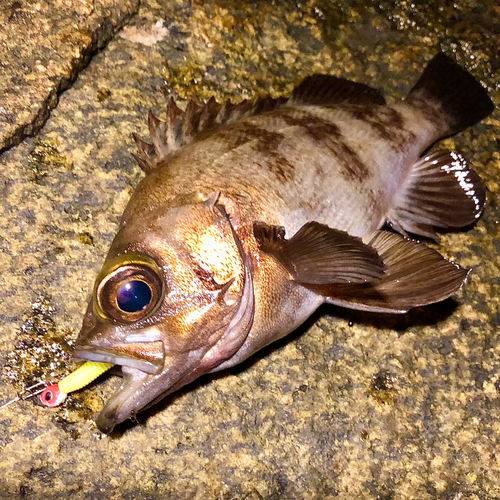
(253, 215)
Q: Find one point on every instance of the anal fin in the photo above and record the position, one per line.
(441, 191)
(318, 254)
(415, 275)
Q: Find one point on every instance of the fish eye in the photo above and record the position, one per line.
(129, 288)
(133, 296)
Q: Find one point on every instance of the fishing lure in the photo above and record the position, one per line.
(55, 394)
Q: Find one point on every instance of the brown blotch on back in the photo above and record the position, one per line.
(315, 127)
(328, 134)
(265, 142)
(386, 122)
(353, 167)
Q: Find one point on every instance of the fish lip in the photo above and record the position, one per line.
(106, 421)
(108, 356)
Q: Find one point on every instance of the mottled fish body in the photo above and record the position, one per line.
(253, 215)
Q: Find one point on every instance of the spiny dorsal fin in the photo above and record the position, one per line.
(147, 154)
(319, 255)
(183, 127)
(157, 134)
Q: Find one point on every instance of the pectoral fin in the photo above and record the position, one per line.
(415, 276)
(319, 255)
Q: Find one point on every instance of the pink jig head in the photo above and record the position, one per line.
(52, 396)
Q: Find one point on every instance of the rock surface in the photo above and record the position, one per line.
(351, 406)
(43, 46)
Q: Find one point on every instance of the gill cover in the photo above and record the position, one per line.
(240, 325)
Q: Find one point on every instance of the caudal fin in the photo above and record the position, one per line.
(459, 97)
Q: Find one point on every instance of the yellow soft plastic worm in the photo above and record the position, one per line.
(55, 394)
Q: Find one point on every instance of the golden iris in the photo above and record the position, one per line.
(130, 288)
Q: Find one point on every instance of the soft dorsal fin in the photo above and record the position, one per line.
(183, 127)
(324, 90)
(319, 255)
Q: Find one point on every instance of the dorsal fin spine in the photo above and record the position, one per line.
(183, 127)
(157, 133)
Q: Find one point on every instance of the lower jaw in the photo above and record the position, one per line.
(121, 405)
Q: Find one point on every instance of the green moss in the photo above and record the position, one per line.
(43, 354)
(44, 158)
(86, 238)
(103, 93)
(382, 387)
(240, 48)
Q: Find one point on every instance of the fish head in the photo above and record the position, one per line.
(173, 300)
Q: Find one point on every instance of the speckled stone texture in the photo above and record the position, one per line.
(43, 45)
(353, 406)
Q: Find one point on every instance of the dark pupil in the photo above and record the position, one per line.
(133, 296)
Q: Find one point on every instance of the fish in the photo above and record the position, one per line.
(252, 215)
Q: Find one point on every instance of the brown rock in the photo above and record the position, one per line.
(43, 46)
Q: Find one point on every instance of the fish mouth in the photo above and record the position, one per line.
(147, 357)
(135, 392)
(140, 390)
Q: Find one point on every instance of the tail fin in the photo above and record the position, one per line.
(457, 94)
